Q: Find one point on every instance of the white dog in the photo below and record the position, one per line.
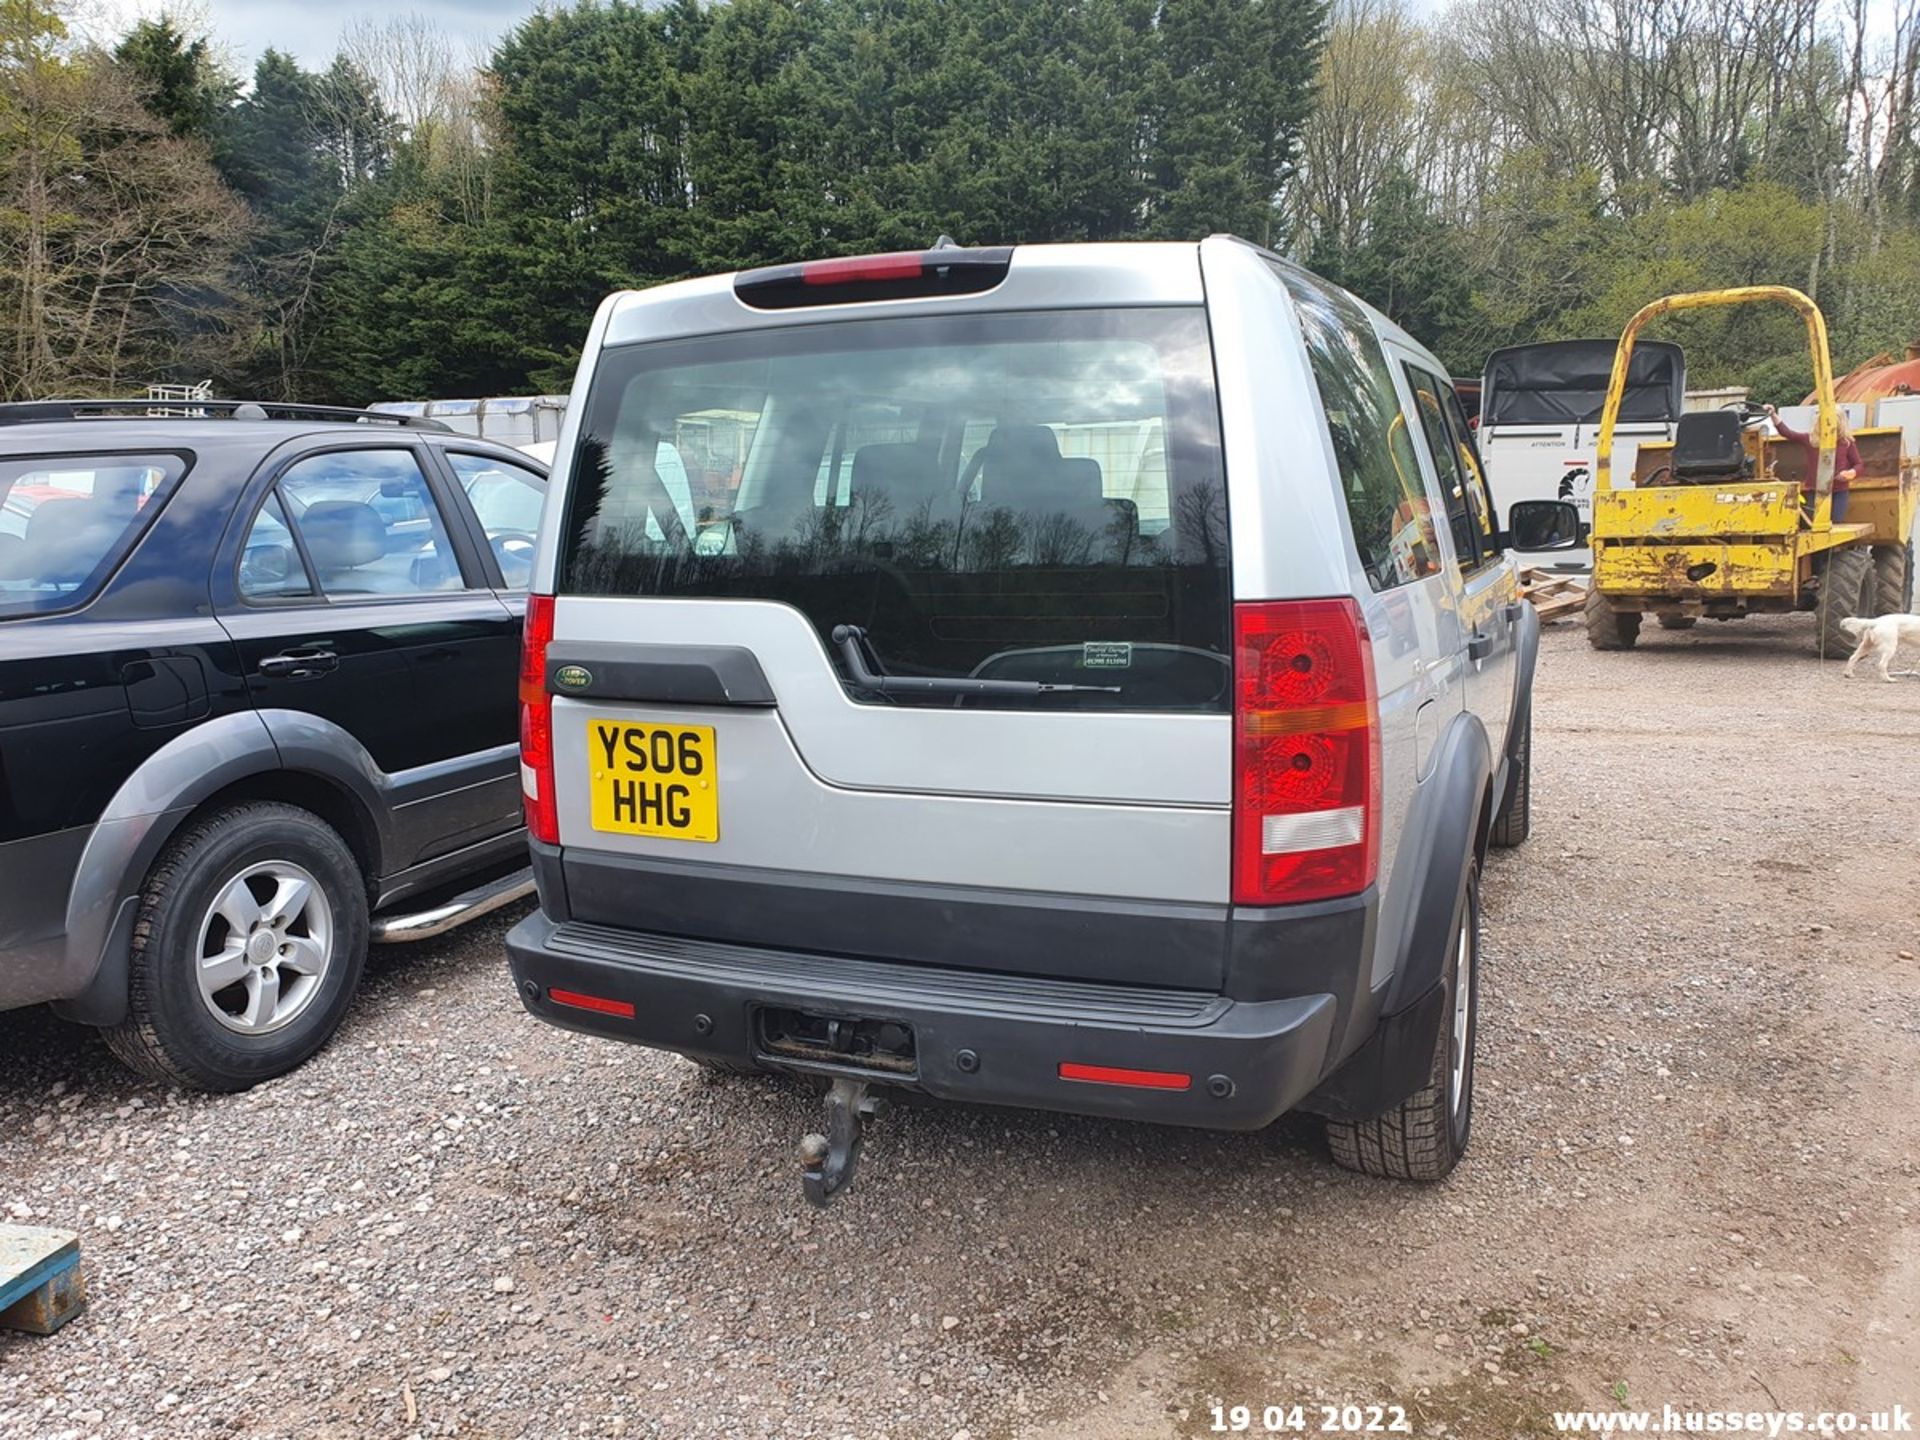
(1881, 638)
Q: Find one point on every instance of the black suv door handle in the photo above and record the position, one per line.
(300, 664)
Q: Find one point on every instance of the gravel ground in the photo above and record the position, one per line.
(1692, 1177)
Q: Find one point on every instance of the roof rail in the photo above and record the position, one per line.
(30, 412)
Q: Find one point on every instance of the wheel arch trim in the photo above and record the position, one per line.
(144, 815)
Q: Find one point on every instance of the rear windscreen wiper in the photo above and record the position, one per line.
(863, 665)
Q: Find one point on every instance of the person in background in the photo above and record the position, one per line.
(1846, 460)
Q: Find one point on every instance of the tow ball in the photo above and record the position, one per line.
(827, 1161)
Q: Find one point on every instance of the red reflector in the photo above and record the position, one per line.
(578, 1001)
(1112, 1075)
(901, 265)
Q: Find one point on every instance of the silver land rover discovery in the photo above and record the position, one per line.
(1084, 677)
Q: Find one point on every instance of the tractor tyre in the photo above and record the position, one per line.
(1847, 591)
(1677, 622)
(1892, 579)
(1608, 628)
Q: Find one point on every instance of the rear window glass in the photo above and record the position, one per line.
(66, 521)
(1025, 497)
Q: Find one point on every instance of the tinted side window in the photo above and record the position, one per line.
(270, 566)
(1380, 475)
(506, 499)
(1479, 497)
(1448, 465)
(66, 522)
(1024, 497)
(370, 523)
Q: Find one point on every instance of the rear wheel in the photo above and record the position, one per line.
(1515, 822)
(1608, 628)
(1892, 579)
(247, 949)
(1846, 593)
(1677, 622)
(1423, 1137)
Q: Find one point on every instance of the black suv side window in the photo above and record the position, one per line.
(507, 500)
(66, 521)
(369, 524)
(270, 565)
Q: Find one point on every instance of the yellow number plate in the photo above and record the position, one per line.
(655, 780)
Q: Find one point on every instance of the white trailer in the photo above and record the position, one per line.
(1540, 422)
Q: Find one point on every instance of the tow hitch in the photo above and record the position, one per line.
(827, 1161)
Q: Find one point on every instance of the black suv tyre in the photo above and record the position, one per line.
(248, 947)
(1515, 822)
(1423, 1137)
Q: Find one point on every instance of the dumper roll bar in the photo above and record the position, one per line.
(1828, 431)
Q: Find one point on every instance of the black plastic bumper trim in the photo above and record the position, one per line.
(960, 927)
(1251, 1061)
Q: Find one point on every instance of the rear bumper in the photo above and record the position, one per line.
(1249, 1061)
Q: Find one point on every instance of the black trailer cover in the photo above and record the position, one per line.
(1564, 382)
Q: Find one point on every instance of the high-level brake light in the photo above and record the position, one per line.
(900, 275)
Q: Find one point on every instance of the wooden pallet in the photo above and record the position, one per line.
(1554, 593)
(41, 1287)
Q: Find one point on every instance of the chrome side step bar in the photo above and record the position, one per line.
(469, 905)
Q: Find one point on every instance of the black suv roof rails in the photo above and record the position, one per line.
(30, 412)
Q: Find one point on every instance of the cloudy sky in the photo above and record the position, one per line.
(310, 29)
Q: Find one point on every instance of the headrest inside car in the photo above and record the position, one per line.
(67, 538)
(341, 534)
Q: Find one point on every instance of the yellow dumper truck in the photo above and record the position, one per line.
(1720, 521)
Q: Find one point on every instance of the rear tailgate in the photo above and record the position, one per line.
(771, 529)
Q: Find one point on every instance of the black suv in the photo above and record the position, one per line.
(257, 708)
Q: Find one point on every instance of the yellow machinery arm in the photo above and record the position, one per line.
(1828, 432)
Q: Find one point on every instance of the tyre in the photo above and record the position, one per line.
(1424, 1136)
(247, 949)
(1892, 592)
(1515, 822)
(1608, 628)
(1846, 593)
(1677, 622)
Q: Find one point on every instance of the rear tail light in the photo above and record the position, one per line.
(536, 723)
(902, 275)
(1306, 739)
